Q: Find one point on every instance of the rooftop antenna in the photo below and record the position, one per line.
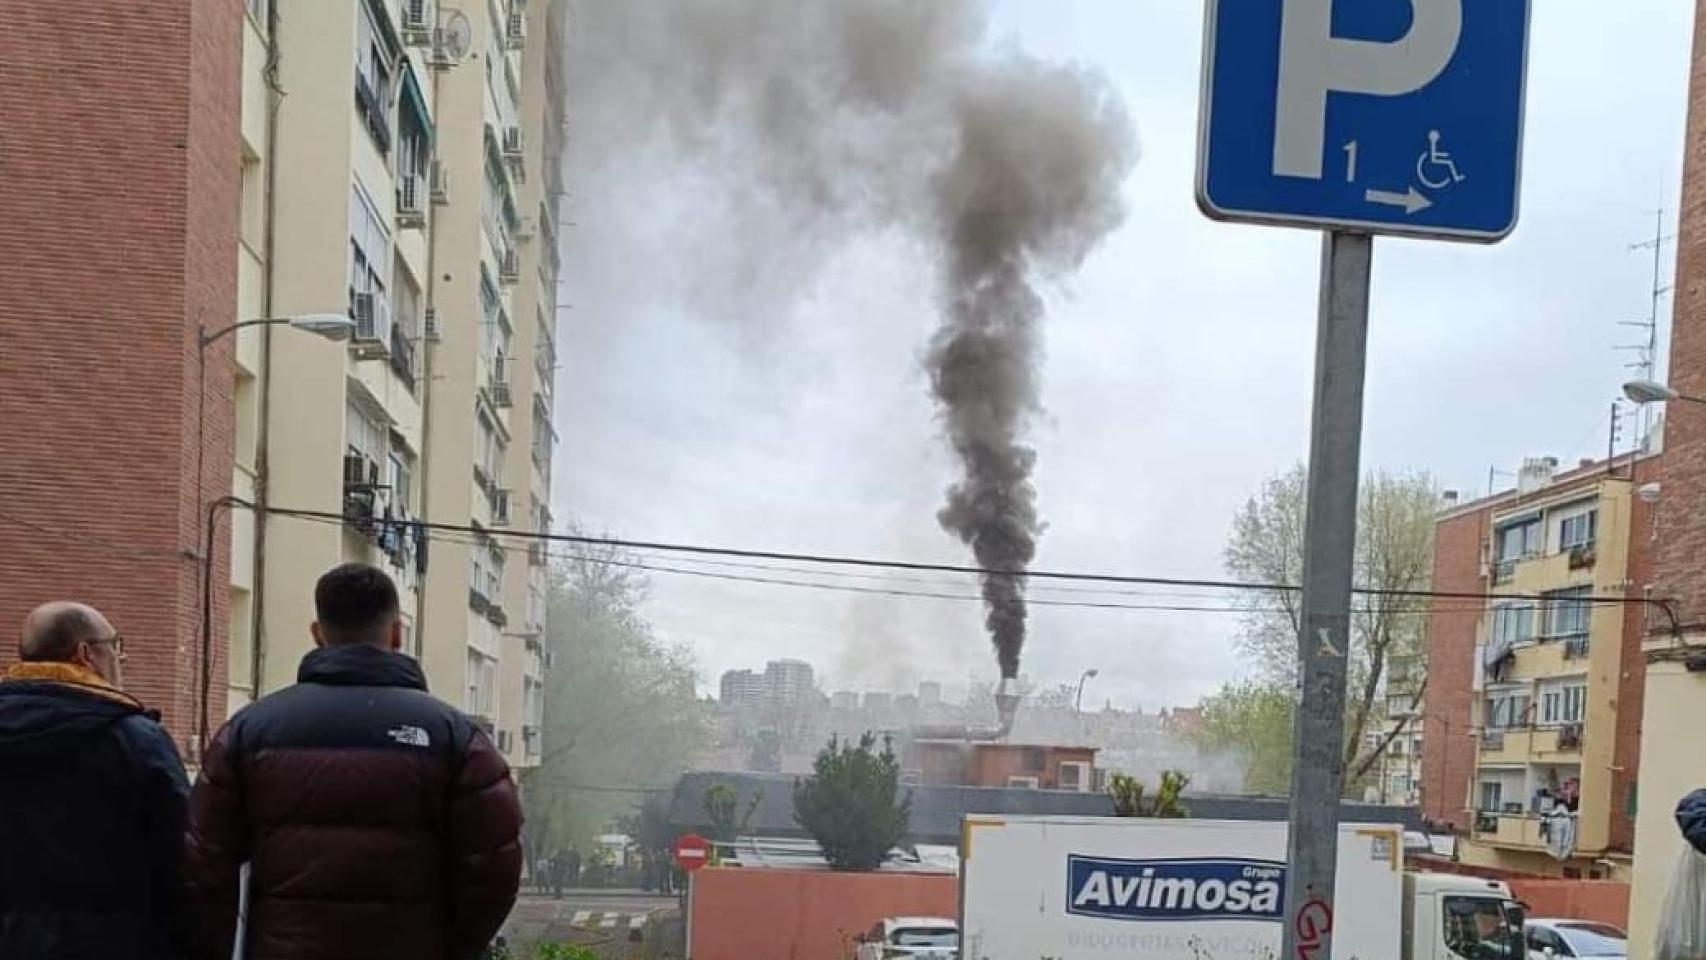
(1646, 362)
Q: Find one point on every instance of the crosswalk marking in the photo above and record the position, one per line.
(581, 917)
(636, 922)
(609, 922)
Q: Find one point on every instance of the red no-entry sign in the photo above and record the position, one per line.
(692, 852)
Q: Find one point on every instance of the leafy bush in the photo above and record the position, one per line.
(1129, 799)
(851, 804)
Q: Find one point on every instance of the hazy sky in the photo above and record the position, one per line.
(1177, 374)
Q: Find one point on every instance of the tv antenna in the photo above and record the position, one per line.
(1646, 362)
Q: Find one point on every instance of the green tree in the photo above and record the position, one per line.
(1394, 561)
(1130, 801)
(621, 711)
(851, 803)
(728, 819)
(1253, 721)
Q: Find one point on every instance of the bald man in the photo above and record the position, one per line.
(92, 801)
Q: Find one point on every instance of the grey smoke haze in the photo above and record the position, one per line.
(809, 122)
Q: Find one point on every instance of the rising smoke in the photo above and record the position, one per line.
(815, 120)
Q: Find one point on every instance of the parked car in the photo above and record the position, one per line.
(1563, 939)
(912, 938)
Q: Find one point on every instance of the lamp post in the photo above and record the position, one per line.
(1078, 701)
(332, 326)
(1651, 391)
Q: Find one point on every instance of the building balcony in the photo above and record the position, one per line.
(1515, 830)
(1525, 745)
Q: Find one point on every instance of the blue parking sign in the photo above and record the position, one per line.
(1383, 116)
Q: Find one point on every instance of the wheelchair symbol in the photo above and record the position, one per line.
(1435, 168)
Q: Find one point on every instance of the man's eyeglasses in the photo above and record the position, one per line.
(116, 641)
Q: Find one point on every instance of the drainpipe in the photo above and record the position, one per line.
(257, 613)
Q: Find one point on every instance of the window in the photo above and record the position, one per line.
(1492, 793)
(1577, 530)
(489, 452)
(482, 676)
(478, 575)
(402, 476)
(1568, 611)
(494, 571)
(1512, 623)
(494, 206)
(1481, 928)
(1518, 540)
(1075, 775)
(363, 434)
(1022, 783)
(543, 438)
(370, 250)
(375, 62)
(1506, 710)
(1564, 703)
(405, 326)
(414, 132)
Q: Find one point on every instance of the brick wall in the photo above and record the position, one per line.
(1682, 530)
(1448, 755)
(118, 222)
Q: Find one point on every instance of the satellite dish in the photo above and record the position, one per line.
(455, 37)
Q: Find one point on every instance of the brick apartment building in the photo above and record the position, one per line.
(1672, 762)
(118, 226)
(1534, 706)
(957, 762)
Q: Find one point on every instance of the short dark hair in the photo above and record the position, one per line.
(353, 602)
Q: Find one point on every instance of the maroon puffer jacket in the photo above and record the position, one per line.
(377, 821)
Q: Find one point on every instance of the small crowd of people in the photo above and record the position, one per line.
(352, 815)
(553, 873)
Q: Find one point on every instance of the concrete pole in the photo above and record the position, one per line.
(1329, 542)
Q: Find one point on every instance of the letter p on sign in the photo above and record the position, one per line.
(1314, 63)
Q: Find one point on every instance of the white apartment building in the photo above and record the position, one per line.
(400, 167)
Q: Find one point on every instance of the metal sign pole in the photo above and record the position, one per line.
(1329, 544)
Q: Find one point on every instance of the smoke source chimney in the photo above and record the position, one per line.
(1007, 704)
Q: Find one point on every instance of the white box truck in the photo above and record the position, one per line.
(1079, 888)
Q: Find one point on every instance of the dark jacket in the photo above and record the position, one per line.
(377, 821)
(1691, 818)
(92, 804)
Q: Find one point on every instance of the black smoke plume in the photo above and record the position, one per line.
(813, 120)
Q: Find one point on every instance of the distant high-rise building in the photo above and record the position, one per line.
(789, 681)
(929, 693)
(844, 700)
(742, 688)
(878, 700)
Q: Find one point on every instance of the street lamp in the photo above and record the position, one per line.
(1078, 701)
(1650, 391)
(332, 326)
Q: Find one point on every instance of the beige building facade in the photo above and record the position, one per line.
(395, 170)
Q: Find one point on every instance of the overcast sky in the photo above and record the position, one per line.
(1177, 374)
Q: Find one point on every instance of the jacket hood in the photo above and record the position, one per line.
(45, 717)
(1691, 818)
(360, 665)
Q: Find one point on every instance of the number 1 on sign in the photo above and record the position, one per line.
(1351, 161)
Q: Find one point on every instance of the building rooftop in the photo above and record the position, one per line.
(938, 810)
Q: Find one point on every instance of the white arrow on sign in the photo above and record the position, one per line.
(1412, 202)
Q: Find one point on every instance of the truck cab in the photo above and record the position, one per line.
(1449, 917)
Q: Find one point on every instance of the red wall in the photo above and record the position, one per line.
(1600, 900)
(742, 914)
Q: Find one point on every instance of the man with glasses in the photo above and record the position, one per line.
(93, 800)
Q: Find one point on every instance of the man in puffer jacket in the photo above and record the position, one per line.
(377, 821)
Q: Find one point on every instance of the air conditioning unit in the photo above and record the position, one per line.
(512, 142)
(438, 182)
(372, 316)
(417, 22)
(515, 31)
(509, 266)
(411, 200)
(355, 470)
(500, 507)
(429, 324)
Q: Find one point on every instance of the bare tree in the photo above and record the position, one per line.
(1394, 562)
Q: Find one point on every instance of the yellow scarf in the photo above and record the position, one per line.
(72, 675)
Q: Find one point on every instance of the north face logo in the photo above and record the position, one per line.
(410, 736)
